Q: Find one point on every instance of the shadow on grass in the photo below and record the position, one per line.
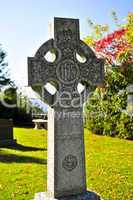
(21, 147)
(11, 158)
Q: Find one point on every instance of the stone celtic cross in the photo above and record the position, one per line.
(66, 159)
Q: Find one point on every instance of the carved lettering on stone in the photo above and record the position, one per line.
(65, 123)
(70, 162)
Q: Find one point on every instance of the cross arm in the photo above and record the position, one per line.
(93, 73)
(39, 72)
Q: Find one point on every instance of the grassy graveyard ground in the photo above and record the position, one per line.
(23, 171)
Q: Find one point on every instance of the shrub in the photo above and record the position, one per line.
(106, 109)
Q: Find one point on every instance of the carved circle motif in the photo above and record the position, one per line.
(67, 71)
(70, 162)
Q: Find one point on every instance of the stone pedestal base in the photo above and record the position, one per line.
(4, 143)
(85, 196)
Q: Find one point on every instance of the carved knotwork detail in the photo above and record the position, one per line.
(70, 162)
(66, 70)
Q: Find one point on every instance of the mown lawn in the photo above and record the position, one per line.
(109, 163)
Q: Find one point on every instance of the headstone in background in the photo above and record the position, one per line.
(66, 156)
(130, 99)
(6, 133)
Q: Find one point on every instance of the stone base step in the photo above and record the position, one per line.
(89, 195)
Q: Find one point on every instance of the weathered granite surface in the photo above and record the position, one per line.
(66, 71)
(66, 160)
(66, 157)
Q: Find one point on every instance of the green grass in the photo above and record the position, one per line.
(23, 172)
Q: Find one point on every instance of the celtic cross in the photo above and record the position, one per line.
(66, 160)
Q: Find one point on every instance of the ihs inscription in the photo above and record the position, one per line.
(67, 71)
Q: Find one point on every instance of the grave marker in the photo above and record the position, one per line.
(66, 156)
(6, 133)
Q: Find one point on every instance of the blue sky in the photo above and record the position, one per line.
(24, 24)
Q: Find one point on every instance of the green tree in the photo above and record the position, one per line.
(4, 74)
(106, 109)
